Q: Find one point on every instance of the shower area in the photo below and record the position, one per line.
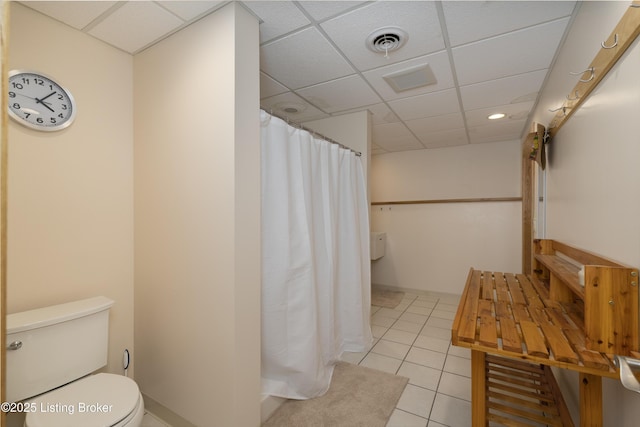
(315, 258)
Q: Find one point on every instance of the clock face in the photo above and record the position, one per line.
(38, 102)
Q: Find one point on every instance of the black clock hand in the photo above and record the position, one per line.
(45, 103)
(40, 101)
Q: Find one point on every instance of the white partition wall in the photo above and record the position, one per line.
(197, 220)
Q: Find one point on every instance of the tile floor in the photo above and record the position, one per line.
(150, 420)
(414, 340)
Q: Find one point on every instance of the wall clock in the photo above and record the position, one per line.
(39, 102)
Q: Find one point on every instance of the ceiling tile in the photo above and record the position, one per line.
(340, 95)
(270, 87)
(395, 137)
(321, 10)
(77, 14)
(448, 138)
(523, 87)
(376, 150)
(419, 19)
(428, 105)
(277, 104)
(135, 25)
(518, 111)
(189, 10)
(505, 131)
(325, 64)
(426, 125)
(279, 18)
(438, 62)
(469, 21)
(513, 53)
(380, 113)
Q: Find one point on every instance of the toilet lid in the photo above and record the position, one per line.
(99, 400)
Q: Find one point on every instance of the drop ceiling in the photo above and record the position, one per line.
(486, 57)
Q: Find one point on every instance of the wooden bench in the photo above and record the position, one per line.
(552, 318)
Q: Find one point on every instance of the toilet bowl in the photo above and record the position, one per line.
(105, 400)
(52, 357)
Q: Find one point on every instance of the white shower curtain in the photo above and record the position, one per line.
(315, 259)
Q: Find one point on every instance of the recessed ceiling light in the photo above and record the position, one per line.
(496, 116)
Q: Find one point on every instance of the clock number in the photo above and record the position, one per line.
(17, 85)
(53, 120)
(12, 94)
(61, 115)
(39, 120)
(25, 80)
(64, 106)
(26, 115)
(16, 106)
(60, 97)
(38, 81)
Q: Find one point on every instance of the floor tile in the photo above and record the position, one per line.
(391, 349)
(458, 365)
(389, 312)
(432, 331)
(439, 323)
(425, 311)
(451, 411)
(428, 298)
(455, 386)
(419, 375)
(415, 318)
(149, 420)
(454, 350)
(379, 320)
(447, 307)
(441, 314)
(425, 357)
(403, 325)
(381, 363)
(400, 418)
(435, 424)
(422, 303)
(378, 331)
(417, 400)
(431, 343)
(402, 337)
(374, 309)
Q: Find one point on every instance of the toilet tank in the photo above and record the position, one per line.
(52, 346)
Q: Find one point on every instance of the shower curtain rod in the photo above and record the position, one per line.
(313, 132)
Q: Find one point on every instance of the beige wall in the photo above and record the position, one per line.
(593, 195)
(197, 220)
(593, 192)
(432, 246)
(70, 217)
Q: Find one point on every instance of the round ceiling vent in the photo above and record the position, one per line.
(290, 107)
(385, 40)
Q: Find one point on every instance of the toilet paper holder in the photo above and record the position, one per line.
(626, 366)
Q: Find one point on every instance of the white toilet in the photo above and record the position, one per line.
(51, 355)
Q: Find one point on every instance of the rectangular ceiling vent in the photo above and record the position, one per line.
(411, 78)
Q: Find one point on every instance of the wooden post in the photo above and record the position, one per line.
(4, 46)
(590, 400)
(478, 389)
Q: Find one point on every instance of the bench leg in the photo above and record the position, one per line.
(478, 389)
(590, 400)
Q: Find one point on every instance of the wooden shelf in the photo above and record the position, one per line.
(605, 304)
(564, 270)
